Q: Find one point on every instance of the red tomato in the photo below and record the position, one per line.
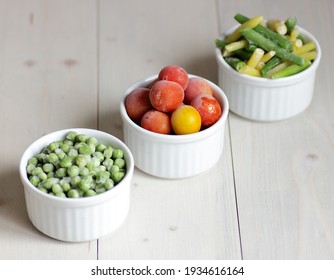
(208, 107)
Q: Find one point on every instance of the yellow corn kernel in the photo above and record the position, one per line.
(266, 57)
(251, 23)
(236, 45)
(278, 68)
(310, 46)
(277, 26)
(250, 71)
(255, 58)
(312, 55)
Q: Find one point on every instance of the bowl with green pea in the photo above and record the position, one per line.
(77, 183)
(267, 67)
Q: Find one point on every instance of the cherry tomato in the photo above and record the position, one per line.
(185, 120)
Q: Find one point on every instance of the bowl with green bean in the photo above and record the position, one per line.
(77, 183)
(267, 68)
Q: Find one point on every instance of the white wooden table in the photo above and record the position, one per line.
(67, 63)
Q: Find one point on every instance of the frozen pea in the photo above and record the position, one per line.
(73, 193)
(114, 169)
(68, 142)
(100, 168)
(119, 162)
(53, 158)
(98, 155)
(61, 155)
(30, 168)
(100, 147)
(42, 189)
(65, 180)
(102, 177)
(50, 182)
(72, 153)
(66, 162)
(53, 146)
(56, 188)
(85, 150)
(48, 167)
(84, 171)
(89, 193)
(33, 161)
(117, 176)
(75, 181)
(99, 190)
(81, 161)
(118, 153)
(51, 174)
(92, 141)
(108, 162)
(109, 184)
(108, 152)
(65, 147)
(42, 176)
(41, 157)
(61, 172)
(73, 171)
(34, 179)
(85, 184)
(66, 187)
(71, 136)
(81, 138)
(60, 194)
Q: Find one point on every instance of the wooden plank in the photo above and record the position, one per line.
(169, 219)
(283, 170)
(48, 82)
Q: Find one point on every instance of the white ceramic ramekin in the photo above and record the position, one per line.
(80, 219)
(174, 156)
(263, 99)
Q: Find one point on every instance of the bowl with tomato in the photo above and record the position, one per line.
(174, 122)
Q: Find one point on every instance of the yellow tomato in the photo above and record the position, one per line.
(185, 120)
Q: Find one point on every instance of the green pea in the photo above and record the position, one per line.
(100, 147)
(89, 193)
(73, 171)
(33, 161)
(108, 152)
(102, 177)
(66, 162)
(61, 172)
(53, 146)
(117, 176)
(92, 141)
(71, 136)
(118, 153)
(57, 188)
(75, 181)
(66, 187)
(73, 193)
(109, 184)
(81, 161)
(48, 167)
(60, 194)
(41, 157)
(34, 179)
(81, 138)
(53, 158)
(42, 176)
(84, 171)
(42, 189)
(72, 153)
(30, 168)
(119, 162)
(65, 147)
(98, 155)
(85, 150)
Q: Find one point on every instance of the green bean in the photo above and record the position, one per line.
(220, 43)
(267, 33)
(268, 45)
(290, 23)
(291, 70)
(235, 62)
(269, 65)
